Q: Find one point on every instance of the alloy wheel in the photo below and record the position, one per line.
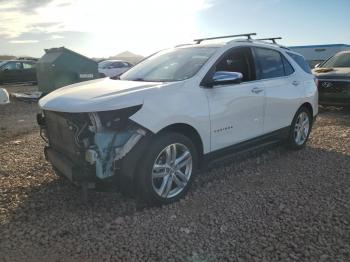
(172, 170)
(301, 128)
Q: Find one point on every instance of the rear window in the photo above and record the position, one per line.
(301, 62)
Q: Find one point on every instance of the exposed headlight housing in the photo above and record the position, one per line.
(115, 119)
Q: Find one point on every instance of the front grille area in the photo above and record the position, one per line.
(61, 130)
(329, 86)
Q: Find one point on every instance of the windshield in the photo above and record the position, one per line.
(341, 60)
(170, 65)
(104, 64)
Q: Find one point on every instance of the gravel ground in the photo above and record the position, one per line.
(17, 118)
(276, 205)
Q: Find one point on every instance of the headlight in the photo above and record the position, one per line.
(115, 119)
(40, 119)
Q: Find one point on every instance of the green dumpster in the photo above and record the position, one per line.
(61, 66)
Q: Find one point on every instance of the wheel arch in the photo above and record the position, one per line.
(188, 131)
(308, 106)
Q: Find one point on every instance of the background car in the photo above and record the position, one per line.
(113, 68)
(17, 71)
(334, 80)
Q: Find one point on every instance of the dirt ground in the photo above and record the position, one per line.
(273, 205)
(17, 117)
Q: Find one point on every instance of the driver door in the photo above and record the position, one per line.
(12, 72)
(236, 110)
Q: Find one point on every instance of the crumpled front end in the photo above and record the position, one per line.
(89, 146)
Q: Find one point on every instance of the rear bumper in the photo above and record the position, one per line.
(332, 98)
(334, 101)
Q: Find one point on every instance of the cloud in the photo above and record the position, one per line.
(23, 41)
(54, 37)
(25, 5)
(20, 16)
(45, 24)
(112, 24)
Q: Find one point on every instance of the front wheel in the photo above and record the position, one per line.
(167, 170)
(300, 128)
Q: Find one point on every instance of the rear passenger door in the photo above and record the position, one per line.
(282, 88)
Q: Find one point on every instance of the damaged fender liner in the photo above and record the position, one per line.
(111, 146)
(126, 167)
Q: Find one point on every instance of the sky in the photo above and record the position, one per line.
(105, 28)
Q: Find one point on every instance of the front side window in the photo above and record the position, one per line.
(270, 63)
(238, 60)
(340, 60)
(170, 65)
(13, 66)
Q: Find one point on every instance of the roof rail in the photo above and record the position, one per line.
(273, 39)
(182, 45)
(249, 37)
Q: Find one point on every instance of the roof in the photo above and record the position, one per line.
(230, 42)
(320, 46)
(19, 60)
(112, 60)
(343, 52)
(221, 44)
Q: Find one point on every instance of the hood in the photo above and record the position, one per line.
(97, 95)
(332, 73)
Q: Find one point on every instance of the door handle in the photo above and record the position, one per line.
(295, 83)
(257, 90)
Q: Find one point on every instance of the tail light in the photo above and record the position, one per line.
(316, 81)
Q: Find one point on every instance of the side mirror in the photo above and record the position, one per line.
(5, 69)
(226, 77)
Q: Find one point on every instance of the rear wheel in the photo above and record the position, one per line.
(300, 128)
(168, 169)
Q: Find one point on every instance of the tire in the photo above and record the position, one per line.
(300, 129)
(57, 172)
(167, 182)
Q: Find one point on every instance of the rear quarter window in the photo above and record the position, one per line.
(301, 62)
(270, 61)
(288, 69)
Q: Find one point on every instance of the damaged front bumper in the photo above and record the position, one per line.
(91, 146)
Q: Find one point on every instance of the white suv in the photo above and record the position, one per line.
(151, 130)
